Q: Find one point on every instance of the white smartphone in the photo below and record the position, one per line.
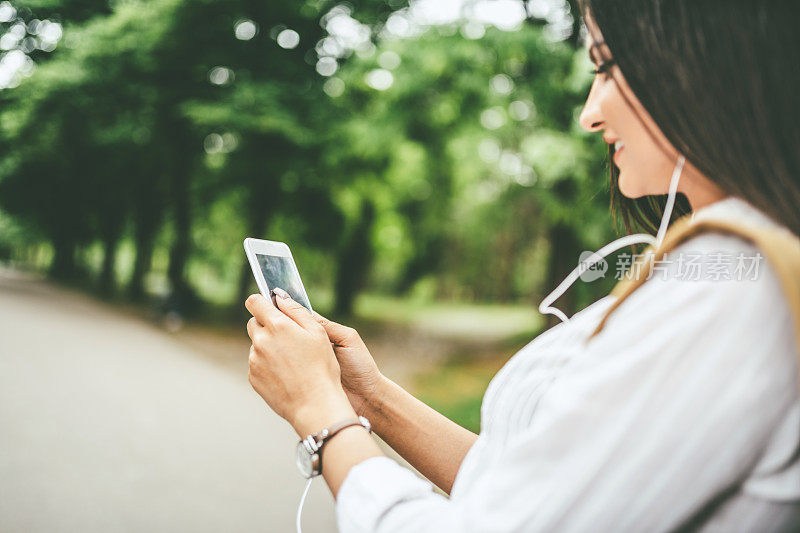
(273, 267)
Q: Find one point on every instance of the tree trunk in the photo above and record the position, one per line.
(429, 217)
(63, 266)
(564, 255)
(181, 296)
(147, 221)
(110, 245)
(259, 214)
(110, 233)
(354, 262)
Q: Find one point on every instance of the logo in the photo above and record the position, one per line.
(592, 266)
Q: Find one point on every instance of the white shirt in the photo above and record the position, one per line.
(684, 412)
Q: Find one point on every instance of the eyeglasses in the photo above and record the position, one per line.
(602, 64)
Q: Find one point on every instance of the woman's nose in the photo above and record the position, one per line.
(591, 119)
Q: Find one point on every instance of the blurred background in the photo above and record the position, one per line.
(422, 159)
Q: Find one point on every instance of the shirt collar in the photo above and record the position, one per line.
(732, 207)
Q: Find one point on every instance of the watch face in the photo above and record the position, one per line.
(304, 462)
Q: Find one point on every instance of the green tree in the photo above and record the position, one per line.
(474, 149)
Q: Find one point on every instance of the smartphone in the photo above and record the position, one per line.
(273, 267)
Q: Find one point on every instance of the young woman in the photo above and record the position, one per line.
(678, 410)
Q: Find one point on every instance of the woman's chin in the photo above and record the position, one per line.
(630, 188)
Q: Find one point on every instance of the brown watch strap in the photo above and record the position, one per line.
(326, 434)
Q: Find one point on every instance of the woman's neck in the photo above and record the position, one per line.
(701, 191)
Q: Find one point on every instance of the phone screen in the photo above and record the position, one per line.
(281, 272)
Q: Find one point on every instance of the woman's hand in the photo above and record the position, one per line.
(359, 373)
(292, 364)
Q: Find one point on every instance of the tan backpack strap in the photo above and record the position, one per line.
(639, 271)
(780, 246)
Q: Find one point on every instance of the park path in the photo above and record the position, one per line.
(110, 424)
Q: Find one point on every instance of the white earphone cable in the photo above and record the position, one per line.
(546, 307)
(584, 265)
(302, 502)
(673, 190)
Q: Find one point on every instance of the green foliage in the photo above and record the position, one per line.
(440, 164)
(456, 389)
(471, 155)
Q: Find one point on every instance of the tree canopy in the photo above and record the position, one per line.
(155, 136)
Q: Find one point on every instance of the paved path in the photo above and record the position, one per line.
(108, 423)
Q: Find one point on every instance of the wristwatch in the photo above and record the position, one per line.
(309, 449)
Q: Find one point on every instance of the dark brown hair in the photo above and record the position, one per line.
(719, 78)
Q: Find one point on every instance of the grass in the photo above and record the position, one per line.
(457, 320)
(483, 337)
(456, 388)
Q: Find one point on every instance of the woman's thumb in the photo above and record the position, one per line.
(337, 333)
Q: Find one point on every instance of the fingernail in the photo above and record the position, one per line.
(281, 293)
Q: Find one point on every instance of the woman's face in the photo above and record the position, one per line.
(644, 167)
(644, 156)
